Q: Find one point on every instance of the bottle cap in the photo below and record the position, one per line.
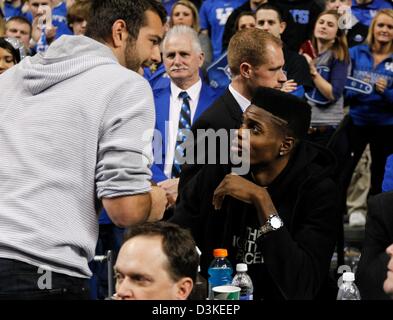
(348, 276)
(219, 253)
(241, 267)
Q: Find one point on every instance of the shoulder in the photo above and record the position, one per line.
(361, 48)
(381, 201)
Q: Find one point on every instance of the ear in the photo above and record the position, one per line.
(201, 59)
(119, 33)
(286, 145)
(183, 288)
(245, 70)
(283, 26)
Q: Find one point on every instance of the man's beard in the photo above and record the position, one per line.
(131, 56)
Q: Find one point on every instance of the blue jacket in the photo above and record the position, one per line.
(218, 73)
(371, 107)
(162, 101)
(159, 79)
(387, 184)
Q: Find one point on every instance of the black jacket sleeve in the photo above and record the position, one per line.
(373, 263)
(299, 261)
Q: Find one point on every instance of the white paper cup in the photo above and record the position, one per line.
(226, 293)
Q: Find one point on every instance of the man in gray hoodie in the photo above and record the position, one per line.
(76, 126)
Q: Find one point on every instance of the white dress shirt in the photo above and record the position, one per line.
(242, 101)
(175, 104)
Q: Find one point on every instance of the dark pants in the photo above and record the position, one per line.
(381, 146)
(22, 281)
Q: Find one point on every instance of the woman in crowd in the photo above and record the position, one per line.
(245, 20)
(77, 17)
(371, 97)
(329, 70)
(9, 56)
(184, 12)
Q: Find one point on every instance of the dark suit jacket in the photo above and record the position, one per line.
(162, 102)
(373, 263)
(225, 114)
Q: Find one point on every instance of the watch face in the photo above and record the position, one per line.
(275, 222)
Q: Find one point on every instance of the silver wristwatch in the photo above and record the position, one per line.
(272, 223)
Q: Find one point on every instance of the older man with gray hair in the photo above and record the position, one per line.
(179, 104)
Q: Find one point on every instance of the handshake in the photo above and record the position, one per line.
(163, 195)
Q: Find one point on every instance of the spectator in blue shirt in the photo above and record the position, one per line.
(371, 96)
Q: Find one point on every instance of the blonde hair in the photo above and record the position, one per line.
(249, 45)
(370, 36)
(340, 45)
(194, 10)
(2, 27)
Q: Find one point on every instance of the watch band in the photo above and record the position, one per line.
(267, 227)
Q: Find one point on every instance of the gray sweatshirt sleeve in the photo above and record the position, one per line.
(124, 148)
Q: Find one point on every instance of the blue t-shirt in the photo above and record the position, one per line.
(365, 13)
(213, 16)
(58, 20)
(387, 184)
(168, 5)
(10, 11)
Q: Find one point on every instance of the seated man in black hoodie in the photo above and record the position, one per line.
(281, 218)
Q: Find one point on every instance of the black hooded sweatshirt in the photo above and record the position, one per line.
(289, 263)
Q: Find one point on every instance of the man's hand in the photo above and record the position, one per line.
(158, 203)
(171, 188)
(236, 187)
(381, 85)
(388, 284)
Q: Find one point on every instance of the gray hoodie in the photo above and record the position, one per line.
(74, 125)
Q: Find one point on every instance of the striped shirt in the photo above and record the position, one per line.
(74, 126)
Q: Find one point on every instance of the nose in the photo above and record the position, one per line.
(123, 290)
(282, 77)
(40, 9)
(84, 24)
(265, 27)
(156, 55)
(177, 59)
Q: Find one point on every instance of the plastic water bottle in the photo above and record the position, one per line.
(348, 289)
(243, 281)
(220, 271)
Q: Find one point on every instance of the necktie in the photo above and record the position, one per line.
(184, 126)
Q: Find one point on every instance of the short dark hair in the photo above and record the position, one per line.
(177, 244)
(19, 19)
(268, 6)
(6, 45)
(294, 111)
(103, 13)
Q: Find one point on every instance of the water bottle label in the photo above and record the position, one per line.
(246, 297)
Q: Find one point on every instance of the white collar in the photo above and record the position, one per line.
(243, 102)
(193, 91)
